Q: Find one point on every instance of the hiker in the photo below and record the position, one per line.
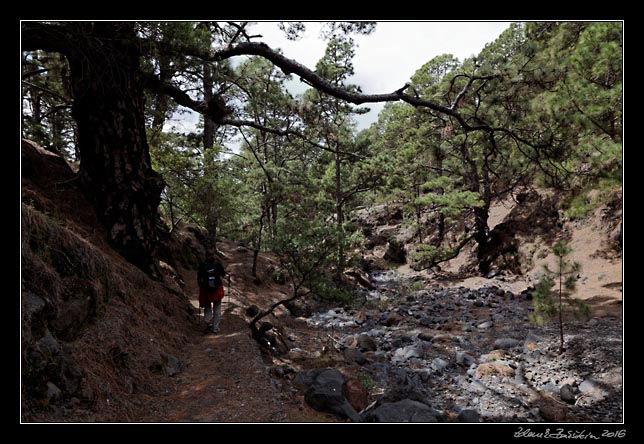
(211, 289)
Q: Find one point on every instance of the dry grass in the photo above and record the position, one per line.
(115, 326)
(123, 338)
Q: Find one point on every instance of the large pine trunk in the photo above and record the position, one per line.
(481, 236)
(115, 171)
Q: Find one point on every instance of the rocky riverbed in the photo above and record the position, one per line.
(468, 355)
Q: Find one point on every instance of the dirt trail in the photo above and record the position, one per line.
(225, 378)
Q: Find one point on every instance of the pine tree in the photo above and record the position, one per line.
(555, 290)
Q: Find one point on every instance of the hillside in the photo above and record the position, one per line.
(95, 330)
(525, 234)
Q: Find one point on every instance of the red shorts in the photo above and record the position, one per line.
(207, 296)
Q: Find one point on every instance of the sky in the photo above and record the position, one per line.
(386, 59)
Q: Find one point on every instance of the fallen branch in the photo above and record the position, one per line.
(335, 341)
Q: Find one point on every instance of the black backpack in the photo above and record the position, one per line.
(211, 279)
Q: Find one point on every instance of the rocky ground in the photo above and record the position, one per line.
(472, 355)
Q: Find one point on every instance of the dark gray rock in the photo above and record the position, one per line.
(304, 379)
(406, 410)
(404, 384)
(463, 358)
(506, 344)
(425, 337)
(426, 322)
(355, 355)
(408, 338)
(366, 343)
(325, 395)
(527, 294)
(469, 415)
(173, 365)
(379, 371)
(401, 341)
(567, 393)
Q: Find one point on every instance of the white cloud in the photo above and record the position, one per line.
(386, 59)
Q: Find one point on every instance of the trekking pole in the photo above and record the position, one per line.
(228, 290)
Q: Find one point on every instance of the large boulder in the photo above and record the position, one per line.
(325, 394)
(406, 410)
